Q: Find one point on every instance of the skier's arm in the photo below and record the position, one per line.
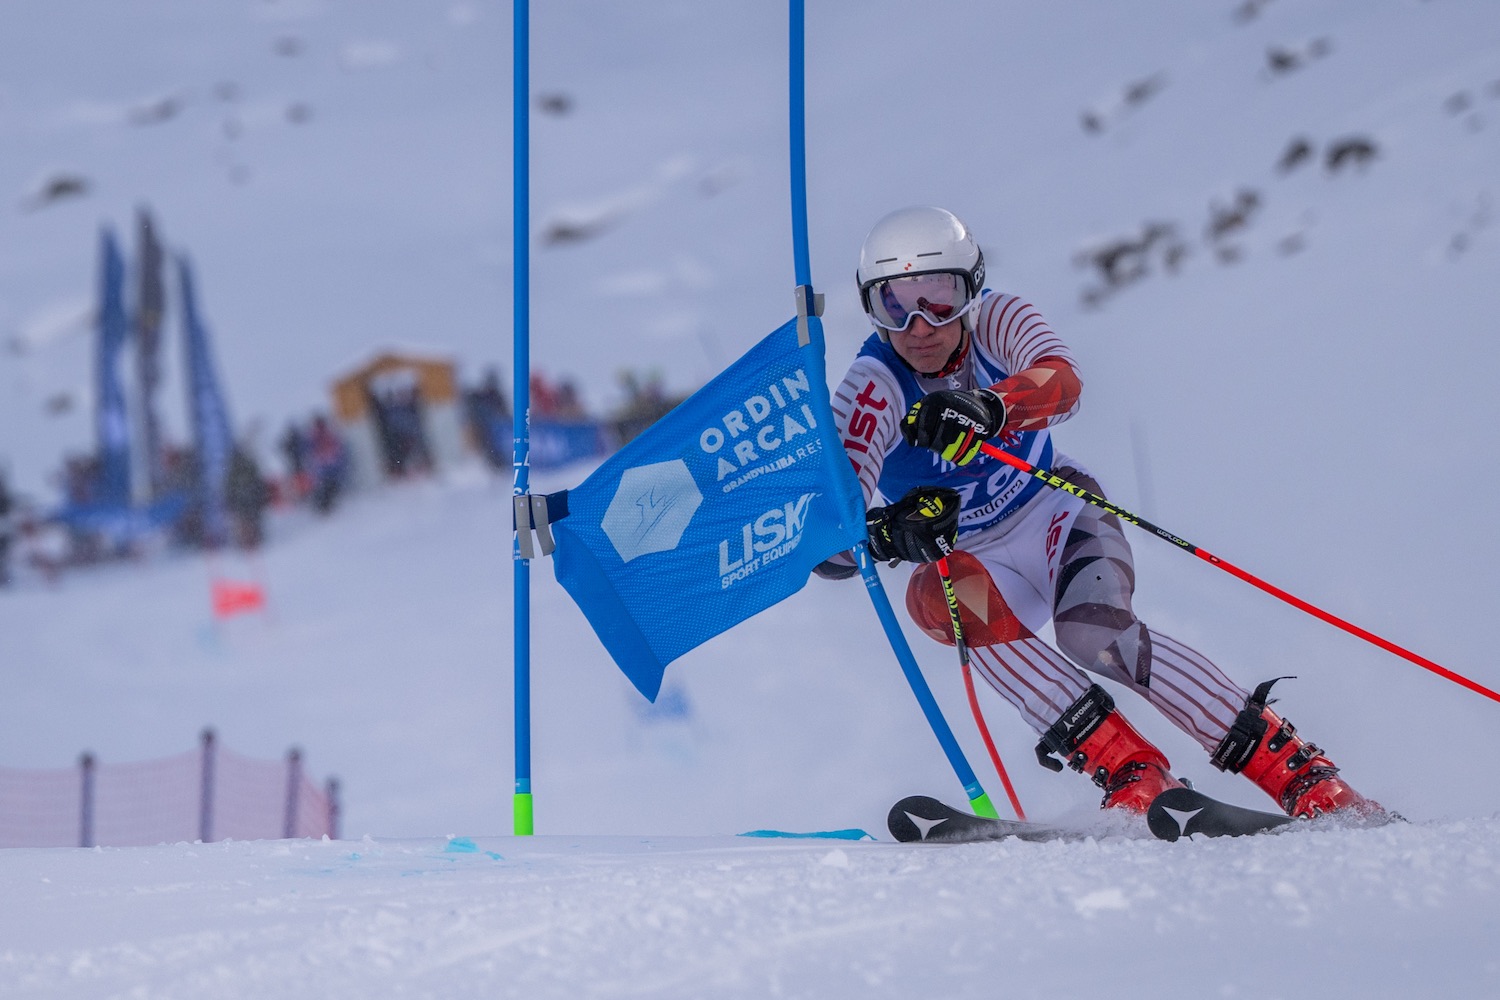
(867, 414)
(920, 527)
(1044, 394)
(955, 423)
(866, 411)
(1046, 385)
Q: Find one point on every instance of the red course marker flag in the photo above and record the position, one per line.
(231, 598)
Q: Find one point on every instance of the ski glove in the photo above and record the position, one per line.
(954, 424)
(920, 527)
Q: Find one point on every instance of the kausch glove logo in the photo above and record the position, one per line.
(651, 509)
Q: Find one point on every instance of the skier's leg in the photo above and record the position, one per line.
(1094, 738)
(1266, 749)
(1097, 628)
(1025, 671)
(1076, 720)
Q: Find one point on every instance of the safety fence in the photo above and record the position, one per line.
(208, 794)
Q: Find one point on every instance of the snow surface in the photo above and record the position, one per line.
(1319, 412)
(1406, 911)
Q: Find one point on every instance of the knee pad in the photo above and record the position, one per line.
(987, 619)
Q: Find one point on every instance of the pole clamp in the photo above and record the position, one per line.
(809, 303)
(534, 513)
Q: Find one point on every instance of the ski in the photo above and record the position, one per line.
(1174, 814)
(920, 818)
(1185, 812)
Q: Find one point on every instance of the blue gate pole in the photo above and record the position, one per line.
(521, 397)
(978, 799)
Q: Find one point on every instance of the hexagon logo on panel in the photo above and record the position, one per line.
(651, 509)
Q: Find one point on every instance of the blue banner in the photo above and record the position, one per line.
(213, 439)
(719, 510)
(555, 443)
(112, 488)
(121, 525)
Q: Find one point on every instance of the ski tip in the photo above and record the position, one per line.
(1184, 812)
(1163, 820)
(916, 818)
(923, 819)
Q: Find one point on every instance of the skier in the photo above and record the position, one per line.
(6, 530)
(951, 364)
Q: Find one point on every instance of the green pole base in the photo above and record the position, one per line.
(524, 820)
(983, 806)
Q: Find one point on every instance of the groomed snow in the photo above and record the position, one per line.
(1404, 911)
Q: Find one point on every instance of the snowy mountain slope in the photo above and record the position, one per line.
(1316, 411)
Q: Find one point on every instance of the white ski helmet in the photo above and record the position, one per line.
(919, 240)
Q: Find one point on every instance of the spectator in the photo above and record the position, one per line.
(46, 546)
(489, 418)
(7, 511)
(398, 423)
(328, 464)
(294, 450)
(182, 480)
(569, 406)
(247, 494)
(543, 396)
(80, 483)
(405, 414)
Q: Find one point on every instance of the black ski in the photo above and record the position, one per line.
(922, 818)
(1184, 812)
(1175, 813)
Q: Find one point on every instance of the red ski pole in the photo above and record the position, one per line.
(1057, 482)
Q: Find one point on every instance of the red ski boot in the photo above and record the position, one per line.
(1266, 749)
(1094, 738)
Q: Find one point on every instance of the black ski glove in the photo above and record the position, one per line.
(920, 527)
(954, 424)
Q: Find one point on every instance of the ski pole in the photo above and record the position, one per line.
(979, 799)
(1057, 482)
(963, 659)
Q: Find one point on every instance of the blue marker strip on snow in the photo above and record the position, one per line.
(817, 835)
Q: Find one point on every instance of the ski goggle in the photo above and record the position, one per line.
(937, 296)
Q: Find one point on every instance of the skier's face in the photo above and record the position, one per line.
(925, 347)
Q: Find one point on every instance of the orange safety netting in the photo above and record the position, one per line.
(209, 794)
